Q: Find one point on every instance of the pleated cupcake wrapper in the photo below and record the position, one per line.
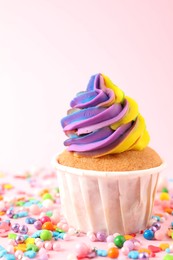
(107, 201)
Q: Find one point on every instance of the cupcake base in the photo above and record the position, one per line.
(107, 201)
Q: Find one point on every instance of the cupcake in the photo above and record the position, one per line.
(107, 174)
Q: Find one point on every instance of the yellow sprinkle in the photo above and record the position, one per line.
(21, 247)
(164, 196)
(170, 232)
(8, 186)
(30, 240)
(142, 250)
(127, 237)
(163, 246)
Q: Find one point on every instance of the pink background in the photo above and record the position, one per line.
(48, 51)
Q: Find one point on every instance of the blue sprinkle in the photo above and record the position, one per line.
(56, 234)
(1, 248)
(101, 252)
(104, 253)
(168, 250)
(30, 220)
(148, 234)
(28, 204)
(156, 217)
(30, 254)
(133, 254)
(171, 224)
(22, 214)
(3, 251)
(36, 234)
(9, 257)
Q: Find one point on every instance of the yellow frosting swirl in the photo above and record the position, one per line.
(103, 120)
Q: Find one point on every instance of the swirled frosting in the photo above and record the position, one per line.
(103, 120)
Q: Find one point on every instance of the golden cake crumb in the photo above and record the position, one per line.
(126, 161)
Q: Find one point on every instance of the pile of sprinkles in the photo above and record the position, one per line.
(32, 225)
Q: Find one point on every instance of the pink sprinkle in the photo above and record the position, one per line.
(82, 249)
(48, 245)
(92, 237)
(34, 209)
(110, 238)
(56, 246)
(159, 235)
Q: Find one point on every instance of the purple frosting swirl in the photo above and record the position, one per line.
(88, 123)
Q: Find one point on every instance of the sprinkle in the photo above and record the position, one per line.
(119, 241)
(101, 252)
(30, 240)
(22, 247)
(113, 252)
(154, 249)
(163, 246)
(30, 220)
(133, 254)
(9, 257)
(30, 254)
(12, 236)
(164, 196)
(46, 235)
(32, 247)
(168, 257)
(148, 234)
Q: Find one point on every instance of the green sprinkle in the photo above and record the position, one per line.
(165, 190)
(47, 196)
(20, 203)
(46, 235)
(49, 213)
(32, 247)
(168, 257)
(59, 230)
(12, 236)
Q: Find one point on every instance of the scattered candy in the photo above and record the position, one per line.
(46, 235)
(113, 252)
(82, 250)
(35, 228)
(154, 249)
(148, 234)
(133, 255)
(101, 236)
(168, 257)
(163, 246)
(119, 241)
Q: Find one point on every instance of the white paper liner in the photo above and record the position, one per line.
(107, 201)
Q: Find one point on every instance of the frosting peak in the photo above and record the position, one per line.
(102, 120)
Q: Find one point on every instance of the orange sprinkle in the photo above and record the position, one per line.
(158, 215)
(169, 232)
(2, 213)
(168, 210)
(144, 250)
(48, 225)
(43, 192)
(127, 237)
(113, 252)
